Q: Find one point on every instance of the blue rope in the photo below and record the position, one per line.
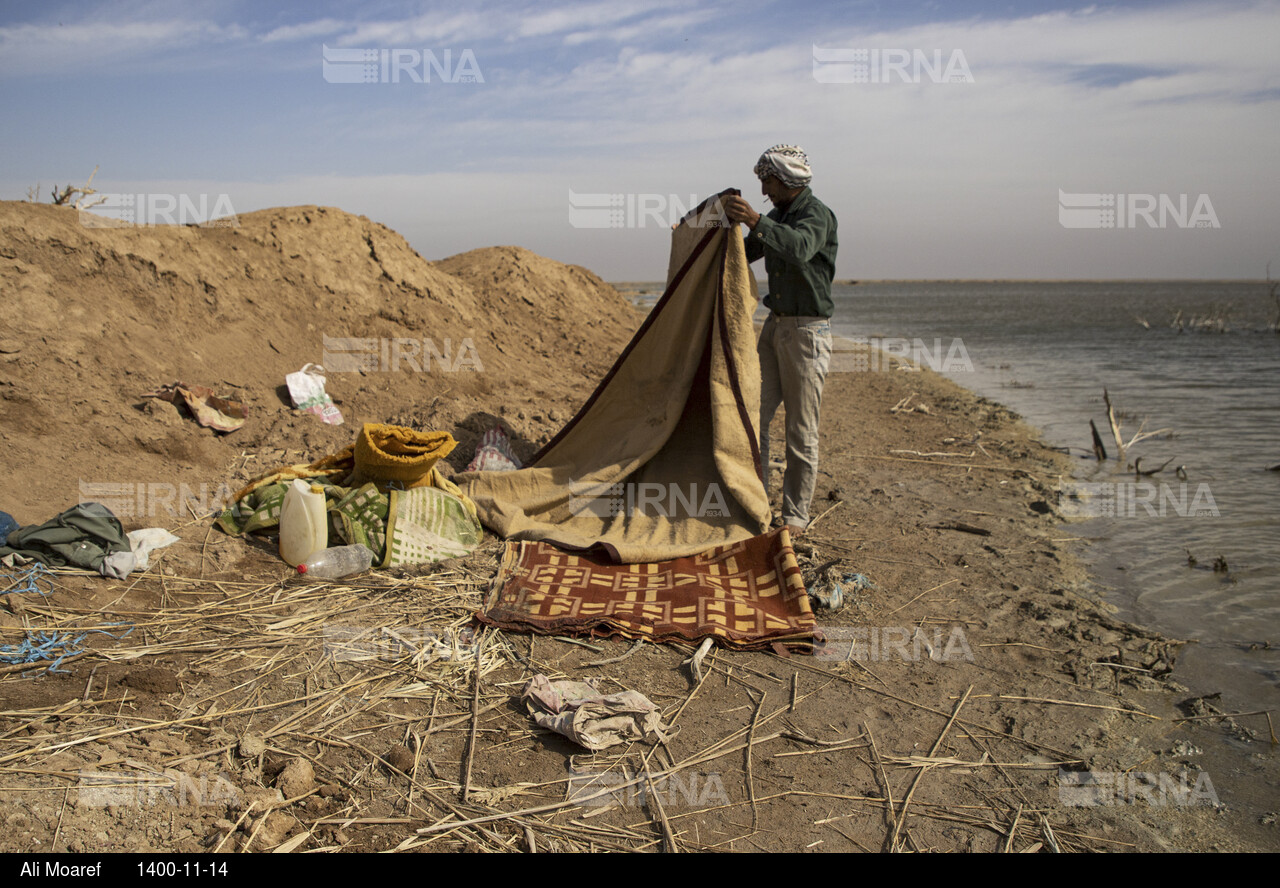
(860, 581)
(56, 646)
(37, 646)
(831, 593)
(30, 580)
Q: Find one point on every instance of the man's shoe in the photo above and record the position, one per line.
(795, 530)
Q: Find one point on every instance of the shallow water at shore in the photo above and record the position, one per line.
(1047, 350)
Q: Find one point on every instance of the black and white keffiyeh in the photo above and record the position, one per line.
(787, 163)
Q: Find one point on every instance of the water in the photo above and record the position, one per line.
(1047, 350)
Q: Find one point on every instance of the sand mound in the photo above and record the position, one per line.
(95, 316)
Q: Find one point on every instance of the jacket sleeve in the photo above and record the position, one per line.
(797, 242)
(754, 245)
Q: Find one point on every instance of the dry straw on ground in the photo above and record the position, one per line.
(310, 668)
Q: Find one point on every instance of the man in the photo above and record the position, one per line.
(798, 242)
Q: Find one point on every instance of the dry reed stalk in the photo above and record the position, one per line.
(635, 647)
(700, 758)
(820, 751)
(823, 515)
(653, 798)
(922, 595)
(995, 731)
(884, 778)
(930, 462)
(922, 761)
(475, 721)
(902, 813)
(986, 750)
(752, 690)
(1222, 715)
(1049, 837)
(751, 782)
(1013, 829)
(1080, 705)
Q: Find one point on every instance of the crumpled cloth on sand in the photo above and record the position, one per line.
(208, 409)
(589, 718)
(144, 542)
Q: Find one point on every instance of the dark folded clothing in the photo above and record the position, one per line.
(7, 526)
(82, 536)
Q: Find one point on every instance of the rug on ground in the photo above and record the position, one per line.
(748, 594)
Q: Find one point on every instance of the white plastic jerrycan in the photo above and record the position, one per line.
(304, 522)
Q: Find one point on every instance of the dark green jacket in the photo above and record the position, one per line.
(799, 249)
(82, 536)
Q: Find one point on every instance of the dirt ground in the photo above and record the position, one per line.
(968, 686)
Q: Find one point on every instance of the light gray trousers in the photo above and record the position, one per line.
(795, 354)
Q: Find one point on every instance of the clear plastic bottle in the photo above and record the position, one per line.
(337, 562)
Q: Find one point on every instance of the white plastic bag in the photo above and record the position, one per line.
(306, 388)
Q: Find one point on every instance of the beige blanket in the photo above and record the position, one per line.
(663, 460)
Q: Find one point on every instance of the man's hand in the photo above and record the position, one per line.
(738, 210)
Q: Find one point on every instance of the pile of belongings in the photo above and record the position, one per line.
(383, 492)
(86, 536)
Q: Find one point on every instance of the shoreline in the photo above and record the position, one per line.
(631, 286)
(1075, 617)
(230, 678)
(1037, 672)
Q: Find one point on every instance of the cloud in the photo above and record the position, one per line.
(305, 31)
(661, 99)
(41, 49)
(572, 19)
(431, 29)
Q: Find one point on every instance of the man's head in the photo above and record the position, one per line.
(779, 195)
(784, 172)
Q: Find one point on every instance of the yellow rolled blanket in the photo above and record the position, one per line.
(398, 457)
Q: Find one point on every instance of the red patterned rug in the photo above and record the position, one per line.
(748, 595)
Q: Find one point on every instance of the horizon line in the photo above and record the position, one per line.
(998, 280)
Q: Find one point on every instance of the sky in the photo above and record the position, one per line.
(951, 140)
